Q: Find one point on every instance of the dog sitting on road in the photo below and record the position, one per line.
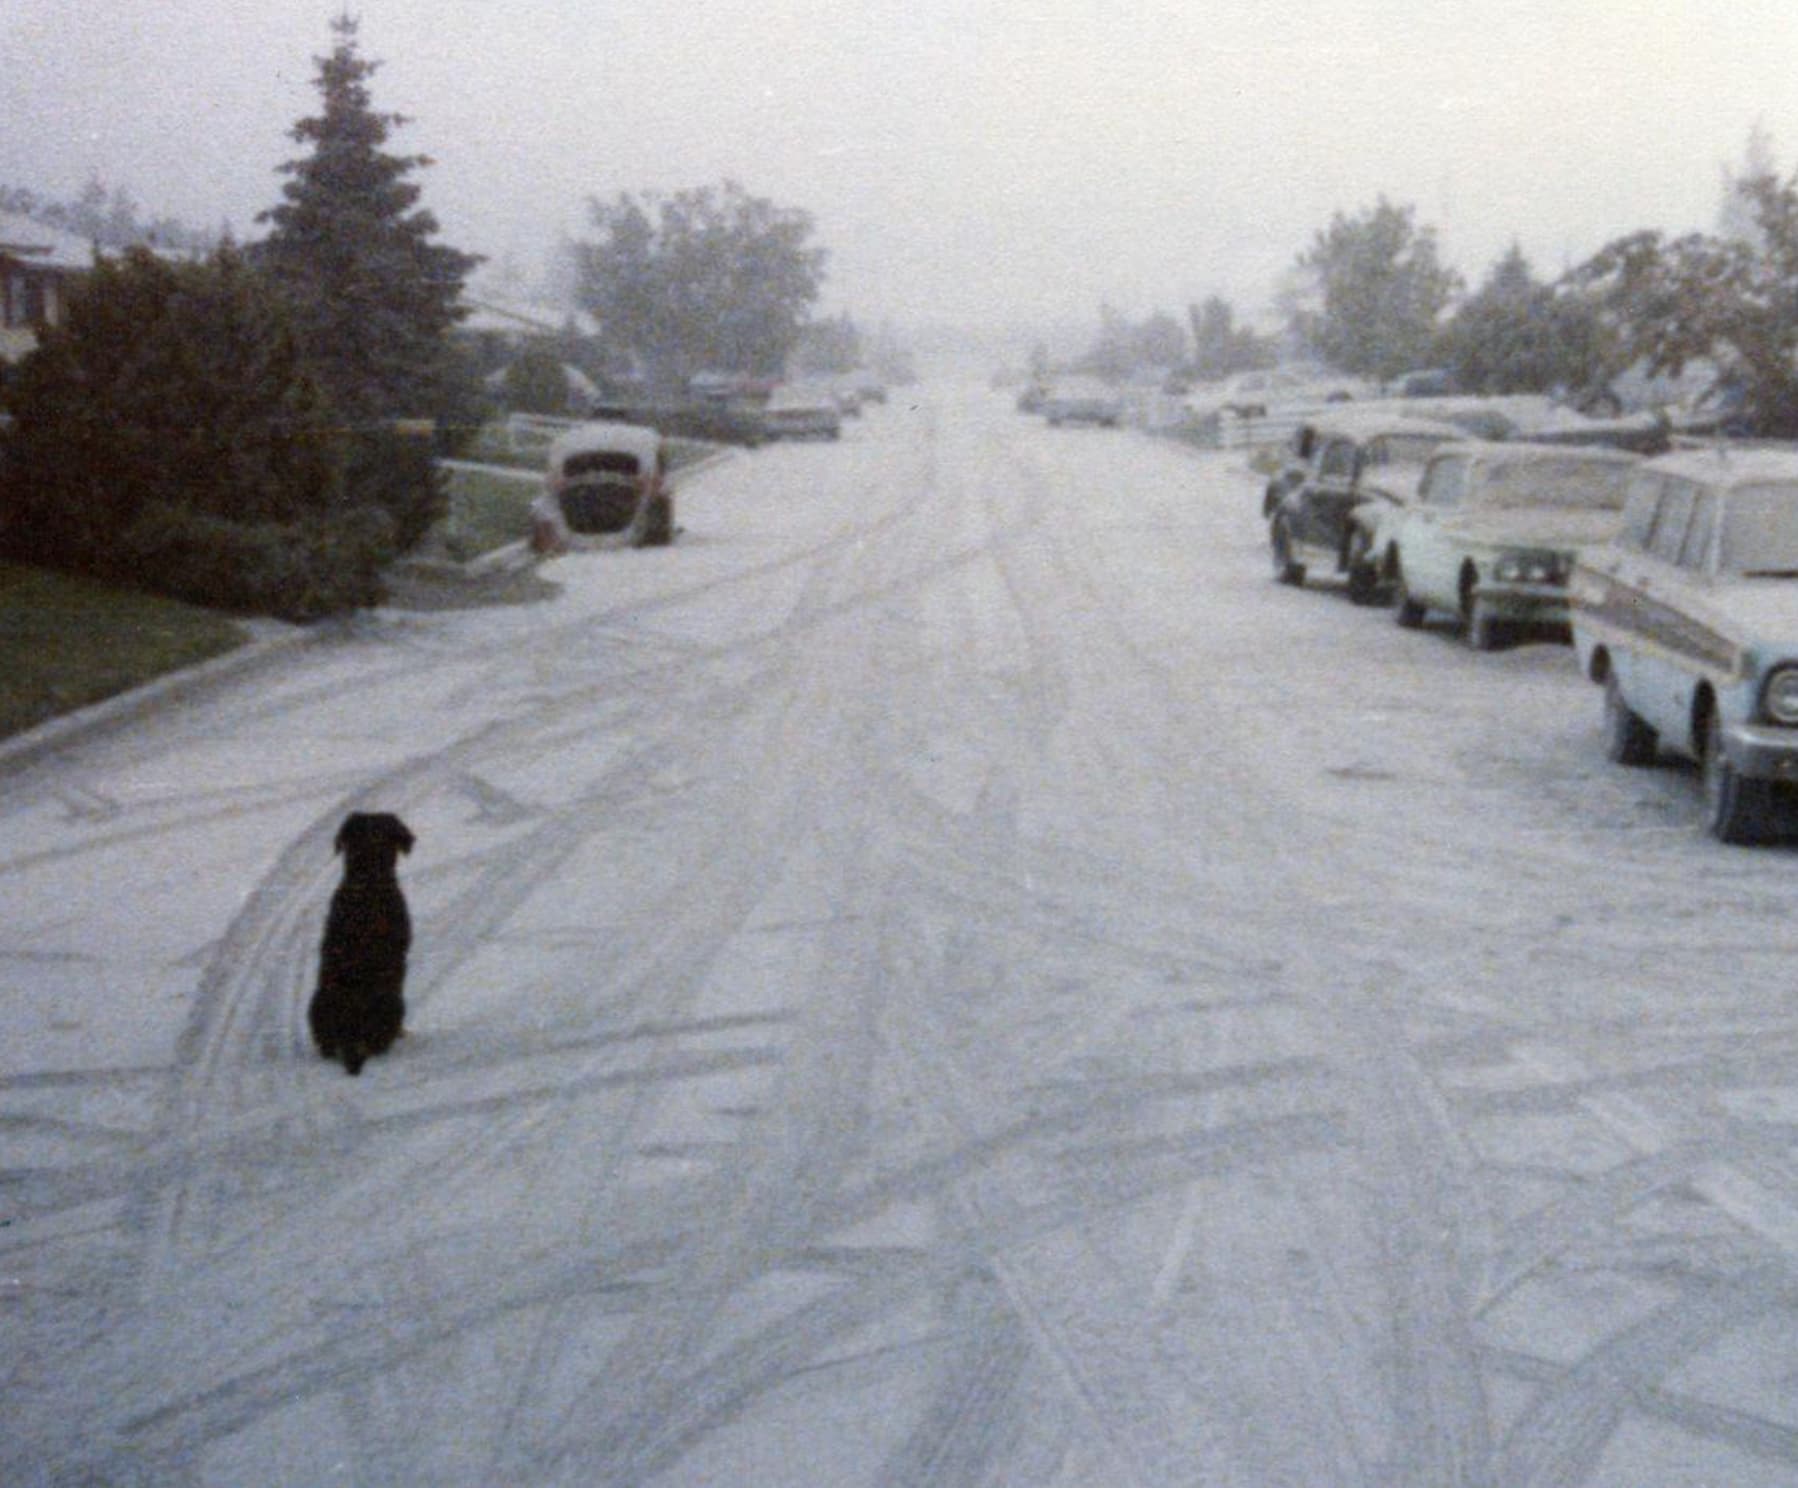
(359, 1008)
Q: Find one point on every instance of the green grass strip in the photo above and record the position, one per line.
(66, 642)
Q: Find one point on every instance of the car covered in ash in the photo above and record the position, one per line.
(1688, 619)
(1338, 464)
(606, 486)
(1494, 532)
(1083, 401)
(797, 410)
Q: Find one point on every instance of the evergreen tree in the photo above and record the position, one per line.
(373, 294)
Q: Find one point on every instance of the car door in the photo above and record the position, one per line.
(1425, 556)
(1323, 513)
(1666, 674)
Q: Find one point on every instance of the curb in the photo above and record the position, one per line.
(269, 639)
(22, 751)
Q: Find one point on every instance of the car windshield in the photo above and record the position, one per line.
(1760, 530)
(1402, 449)
(1561, 485)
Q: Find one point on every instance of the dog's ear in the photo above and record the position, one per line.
(400, 834)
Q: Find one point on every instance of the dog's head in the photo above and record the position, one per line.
(378, 835)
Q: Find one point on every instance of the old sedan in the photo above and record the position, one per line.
(1494, 532)
(1341, 463)
(1689, 621)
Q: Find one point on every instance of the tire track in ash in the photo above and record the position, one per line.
(652, 1406)
(1108, 1393)
(678, 1417)
(243, 981)
(1439, 1410)
(1732, 1180)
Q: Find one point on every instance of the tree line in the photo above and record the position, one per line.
(1371, 296)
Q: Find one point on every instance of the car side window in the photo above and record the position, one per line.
(1671, 521)
(1446, 483)
(1638, 513)
(1338, 461)
(1695, 551)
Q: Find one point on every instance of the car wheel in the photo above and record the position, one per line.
(1409, 613)
(1736, 810)
(1627, 739)
(1485, 631)
(1363, 572)
(659, 530)
(1285, 569)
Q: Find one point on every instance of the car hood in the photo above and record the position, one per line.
(1760, 609)
(1535, 527)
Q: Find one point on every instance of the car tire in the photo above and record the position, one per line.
(1409, 613)
(1628, 740)
(658, 532)
(1363, 572)
(1737, 811)
(1485, 631)
(1279, 537)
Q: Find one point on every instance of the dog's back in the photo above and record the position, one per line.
(359, 1008)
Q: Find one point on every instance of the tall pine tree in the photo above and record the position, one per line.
(373, 295)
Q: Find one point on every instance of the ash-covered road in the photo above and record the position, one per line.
(947, 976)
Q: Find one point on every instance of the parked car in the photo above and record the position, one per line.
(1083, 401)
(1689, 621)
(1495, 530)
(700, 417)
(605, 487)
(1339, 463)
(1425, 382)
(802, 411)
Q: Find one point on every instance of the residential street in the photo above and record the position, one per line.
(948, 975)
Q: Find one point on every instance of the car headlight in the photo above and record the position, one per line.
(1530, 568)
(1779, 697)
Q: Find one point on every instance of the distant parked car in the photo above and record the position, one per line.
(1723, 408)
(1083, 401)
(1689, 621)
(1340, 463)
(605, 487)
(1494, 532)
(802, 411)
(1427, 382)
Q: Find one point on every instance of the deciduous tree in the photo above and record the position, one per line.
(1519, 335)
(1669, 301)
(1382, 291)
(708, 278)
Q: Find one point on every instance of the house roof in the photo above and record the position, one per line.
(47, 247)
(493, 315)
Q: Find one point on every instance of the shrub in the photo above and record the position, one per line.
(171, 435)
(293, 571)
(536, 382)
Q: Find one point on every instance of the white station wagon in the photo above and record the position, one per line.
(1689, 621)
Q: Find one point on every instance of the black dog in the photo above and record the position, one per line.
(360, 1006)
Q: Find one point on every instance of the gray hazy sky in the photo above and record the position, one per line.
(993, 160)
